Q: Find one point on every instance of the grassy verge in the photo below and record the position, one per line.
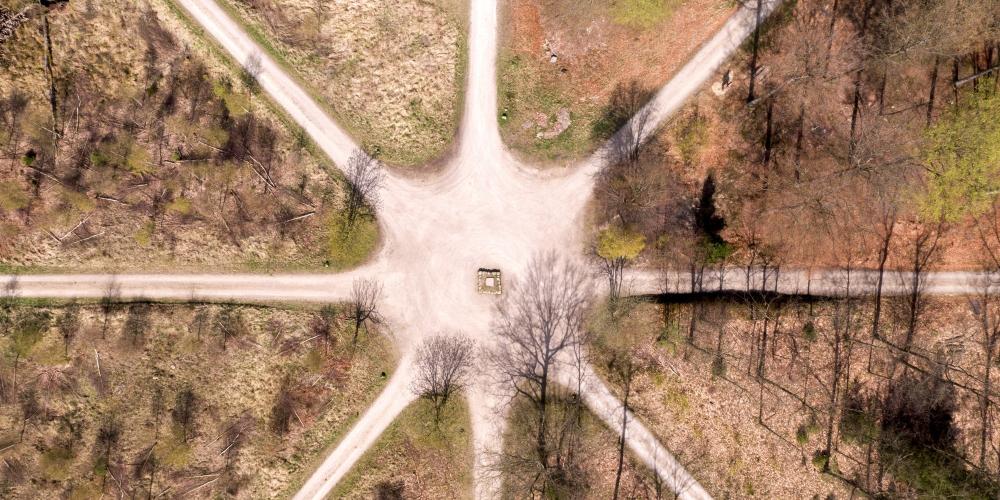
(415, 458)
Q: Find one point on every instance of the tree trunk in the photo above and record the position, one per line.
(829, 37)
(930, 99)
(754, 53)
(621, 438)
(768, 136)
(52, 83)
(541, 447)
(883, 256)
(856, 108)
(881, 92)
(991, 334)
(798, 141)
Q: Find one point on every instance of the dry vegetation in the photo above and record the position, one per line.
(868, 138)
(756, 392)
(137, 148)
(193, 401)
(392, 72)
(589, 457)
(560, 62)
(414, 458)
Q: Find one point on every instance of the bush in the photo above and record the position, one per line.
(718, 366)
(809, 331)
(802, 435)
(389, 490)
(920, 409)
(821, 459)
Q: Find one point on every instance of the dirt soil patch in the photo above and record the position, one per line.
(195, 401)
(159, 156)
(391, 72)
(416, 459)
(560, 62)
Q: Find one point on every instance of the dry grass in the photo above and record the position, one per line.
(391, 72)
(134, 381)
(590, 462)
(416, 458)
(598, 44)
(705, 407)
(166, 160)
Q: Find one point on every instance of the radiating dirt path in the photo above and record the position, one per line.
(483, 210)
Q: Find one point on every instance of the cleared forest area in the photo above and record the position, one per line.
(391, 72)
(138, 399)
(152, 153)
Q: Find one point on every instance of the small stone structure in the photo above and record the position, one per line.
(488, 282)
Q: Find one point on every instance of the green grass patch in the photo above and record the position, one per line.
(349, 247)
(527, 91)
(642, 14)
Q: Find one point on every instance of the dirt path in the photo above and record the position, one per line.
(817, 282)
(484, 210)
(390, 403)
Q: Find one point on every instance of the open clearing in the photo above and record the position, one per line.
(391, 72)
(563, 60)
(134, 398)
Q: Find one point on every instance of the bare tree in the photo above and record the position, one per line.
(30, 409)
(922, 254)
(364, 305)
(986, 308)
(110, 302)
(230, 324)
(284, 407)
(250, 73)
(68, 324)
(7, 298)
(184, 410)
(365, 177)
(538, 325)
(443, 363)
(323, 325)
(886, 229)
(136, 323)
(628, 111)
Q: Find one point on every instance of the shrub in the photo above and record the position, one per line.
(802, 435)
(809, 331)
(718, 366)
